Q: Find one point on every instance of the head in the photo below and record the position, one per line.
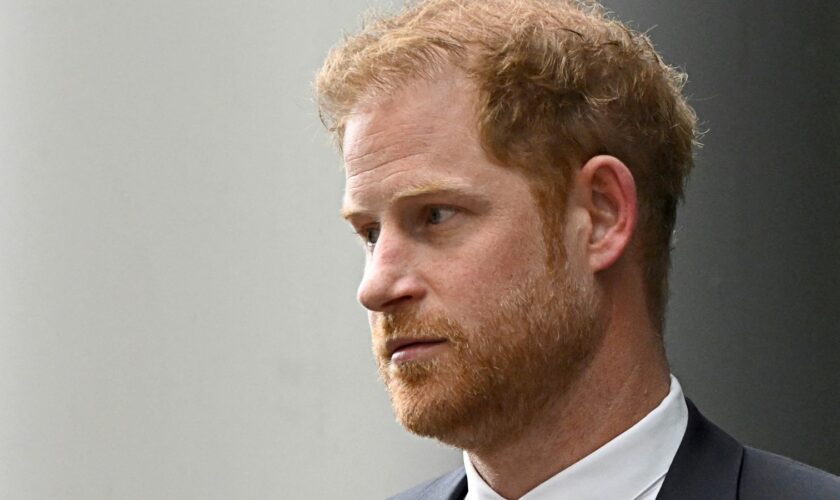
(464, 126)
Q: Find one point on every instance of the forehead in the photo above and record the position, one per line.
(425, 116)
(422, 138)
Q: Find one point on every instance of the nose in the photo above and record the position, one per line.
(389, 279)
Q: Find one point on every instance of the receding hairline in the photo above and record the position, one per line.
(447, 71)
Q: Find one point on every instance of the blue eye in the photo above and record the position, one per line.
(371, 235)
(439, 214)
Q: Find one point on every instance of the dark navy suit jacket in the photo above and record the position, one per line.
(709, 465)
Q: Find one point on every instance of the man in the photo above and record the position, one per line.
(513, 169)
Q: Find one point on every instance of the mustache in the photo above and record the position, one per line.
(405, 324)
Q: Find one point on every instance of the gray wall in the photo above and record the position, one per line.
(177, 314)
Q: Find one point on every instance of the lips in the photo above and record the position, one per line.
(398, 345)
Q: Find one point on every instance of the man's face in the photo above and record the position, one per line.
(472, 333)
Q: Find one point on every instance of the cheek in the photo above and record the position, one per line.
(475, 280)
(516, 254)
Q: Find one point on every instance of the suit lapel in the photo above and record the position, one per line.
(459, 491)
(707, 463)
(450, 486)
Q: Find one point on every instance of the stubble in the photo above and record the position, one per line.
(493, 380)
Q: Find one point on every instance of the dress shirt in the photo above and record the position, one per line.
(632, 466)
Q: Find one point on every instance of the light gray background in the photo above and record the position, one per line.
(177, 312)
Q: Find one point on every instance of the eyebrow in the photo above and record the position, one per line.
(426, 189)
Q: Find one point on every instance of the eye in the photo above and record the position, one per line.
(437, 215)
(370, 235)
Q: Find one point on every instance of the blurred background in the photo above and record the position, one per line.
(177, 311)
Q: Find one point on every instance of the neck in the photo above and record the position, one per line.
(623, 382)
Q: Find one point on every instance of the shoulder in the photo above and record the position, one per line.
(769, 476)
(448, 486)
(712, 464)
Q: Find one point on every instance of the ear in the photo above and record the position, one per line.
(606, 195)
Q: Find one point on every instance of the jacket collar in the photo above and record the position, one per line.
(707, 463)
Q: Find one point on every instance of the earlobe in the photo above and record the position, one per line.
(609, 196)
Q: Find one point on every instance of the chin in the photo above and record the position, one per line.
(451, 404)
(501, 376)
(426, 400)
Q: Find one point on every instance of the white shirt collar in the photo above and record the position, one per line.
(630, 466)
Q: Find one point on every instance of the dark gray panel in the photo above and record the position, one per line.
(754, 323)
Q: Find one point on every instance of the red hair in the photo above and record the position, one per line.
(558, 82)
